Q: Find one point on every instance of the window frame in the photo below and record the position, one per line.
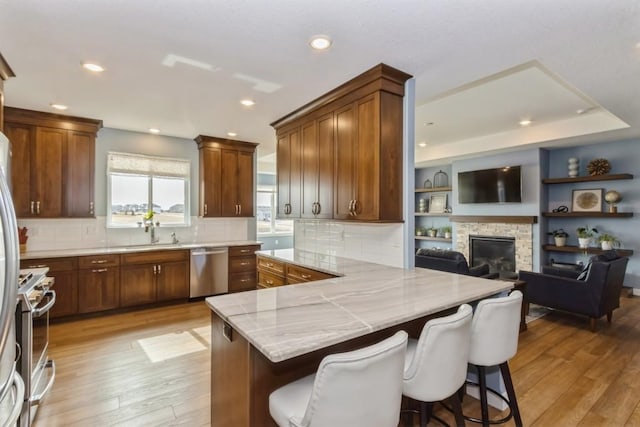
(274, 212)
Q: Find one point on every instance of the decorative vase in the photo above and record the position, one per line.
(432, 233)
(23, 248)
(447, 235)
(606, 245)
(583, 242)
(422, 205)
(560, 241)
(573, 167)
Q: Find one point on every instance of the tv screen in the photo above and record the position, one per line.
(500, 185)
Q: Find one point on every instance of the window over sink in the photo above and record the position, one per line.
(139, 186)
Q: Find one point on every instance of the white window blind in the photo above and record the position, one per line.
(148, 165)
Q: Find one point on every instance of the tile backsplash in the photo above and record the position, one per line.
(55, 234)
(378, 243)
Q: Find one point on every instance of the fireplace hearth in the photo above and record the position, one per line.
(498, 252)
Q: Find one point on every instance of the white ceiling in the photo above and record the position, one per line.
(183, 66)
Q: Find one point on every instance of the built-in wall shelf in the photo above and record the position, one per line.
(432, 214)
(432, 190)
(590, 250)
(590, 178)
(588, 214)
(433, 239)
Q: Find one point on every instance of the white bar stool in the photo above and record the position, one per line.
(494, 340)
(436, 363)
(358, 388)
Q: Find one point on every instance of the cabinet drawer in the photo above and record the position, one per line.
(241, 264)
(243, 250)
(268, 280)
(95, 261)
(153, 257)
(270, 265)
(242, 281)
(54, 264)
(297, 274)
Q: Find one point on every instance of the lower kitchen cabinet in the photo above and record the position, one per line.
(242, 268)
(173, 281)
(98, 283)
(65, 273)
(273, 273)
(138, 285)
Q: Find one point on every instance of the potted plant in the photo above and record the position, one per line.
(446, 230)
(608, 242)
(585, 234)
(421, 231)
(560, 236)
(432, 232)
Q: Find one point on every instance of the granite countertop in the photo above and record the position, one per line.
(58, 253)
(289, 321)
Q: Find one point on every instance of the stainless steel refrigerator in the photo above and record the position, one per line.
(11, 384)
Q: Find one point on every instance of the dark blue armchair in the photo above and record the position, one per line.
(450, 261)
(594, 292)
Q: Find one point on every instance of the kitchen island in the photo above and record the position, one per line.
(264, 339)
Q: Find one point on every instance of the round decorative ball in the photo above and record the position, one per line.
(598, 167)
(612, 196)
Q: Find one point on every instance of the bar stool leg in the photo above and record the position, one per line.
(482, 381)
(457, 410)
(508, 383)
(425, 414)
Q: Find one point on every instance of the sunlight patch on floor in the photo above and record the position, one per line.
(169, 346)
(204, 333)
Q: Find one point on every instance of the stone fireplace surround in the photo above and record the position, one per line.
(518, 227)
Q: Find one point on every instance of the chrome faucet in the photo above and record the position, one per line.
(151, 228)
(174, 239)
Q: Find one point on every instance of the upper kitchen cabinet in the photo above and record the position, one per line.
(5, 73)
(351, 149)
(288, 170)
(52, 164)
(226, 177)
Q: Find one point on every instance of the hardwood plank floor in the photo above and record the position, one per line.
(151, 367)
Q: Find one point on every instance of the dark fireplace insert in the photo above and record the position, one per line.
(498, 252)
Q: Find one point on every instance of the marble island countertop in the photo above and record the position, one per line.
(288, 321)
(56, 253)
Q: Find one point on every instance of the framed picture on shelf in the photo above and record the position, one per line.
(438, 203)
(587, 200)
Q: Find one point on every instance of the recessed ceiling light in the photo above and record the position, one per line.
(232, 134)
(59, 106)
(92, 67)
(423, 144)
(525, 122)
(320, 42)
(247, 102)
(154, 130)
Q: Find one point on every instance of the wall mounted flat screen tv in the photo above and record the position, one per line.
(500, 185)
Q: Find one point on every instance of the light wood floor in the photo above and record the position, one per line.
(564, 374)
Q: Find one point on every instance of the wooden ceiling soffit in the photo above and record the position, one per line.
(59, 121)
(5, 70)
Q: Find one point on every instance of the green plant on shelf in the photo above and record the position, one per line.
(586, 232)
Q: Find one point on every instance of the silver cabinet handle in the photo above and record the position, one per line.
(306, 276)
(100, 270)
(351, 207)
(155, 269)
(245, 251)
(205, 209)
(244, 263)
(38, 207)
(159, 268)
(269, 282)
(90, 208)
(239, 209)
(38, 266)
(355, 208)
(33, 207)
(99, 261)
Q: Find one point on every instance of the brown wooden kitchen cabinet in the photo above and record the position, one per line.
(98, 283)
(226, 177)
(297, 274)
(272, 273)
(360, 125)
(5, 73)
(242, 268)
(147, 277)
(65, 274)
(288, 174)
(53, 163)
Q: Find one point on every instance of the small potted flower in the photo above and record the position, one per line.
(560, 236)
(432, 232)
(446, 230)
(608, 242)
(585, 234)
(421, 231)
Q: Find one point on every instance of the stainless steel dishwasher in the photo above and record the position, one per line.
(209, 271)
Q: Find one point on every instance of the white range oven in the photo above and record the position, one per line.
(35, 300)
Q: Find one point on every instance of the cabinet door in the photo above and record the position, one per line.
(325, 165)
(47, 171)
(210, 182)
(229, 183)
(245, 184)
(345, 162)
(172, 281)
(98, 289)
(21, 137)
(367, 153)
(310, 172)
(66, 287)
(138, 285)
(289, 173)
(79, 182)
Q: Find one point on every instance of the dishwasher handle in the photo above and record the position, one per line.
(209, 252)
